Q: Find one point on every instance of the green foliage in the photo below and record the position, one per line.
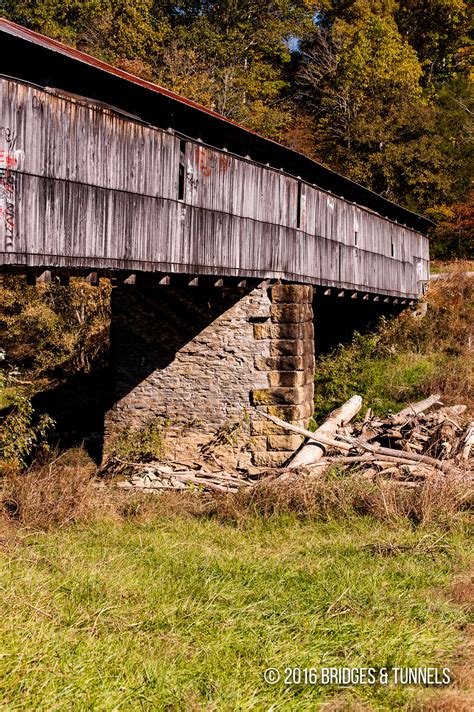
(52, 327)
(144, 444)
(385, 381)
(437, 30)
(21, 434)
(407, 357)
(387, 87)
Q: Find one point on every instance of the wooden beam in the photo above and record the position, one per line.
(165, 279)
(341, 294)
(131, 279)
(376, 298)
(242, 283)
(354, 295)
(327, 292)
(218, 282)
(366, 296)
(193, 282)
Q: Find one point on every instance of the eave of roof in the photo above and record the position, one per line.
(181, 114)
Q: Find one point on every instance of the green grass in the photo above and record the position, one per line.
(180, 613)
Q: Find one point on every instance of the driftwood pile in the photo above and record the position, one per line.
(408, 447)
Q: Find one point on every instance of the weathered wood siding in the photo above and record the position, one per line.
(82, 186)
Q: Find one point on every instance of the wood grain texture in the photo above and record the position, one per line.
(91, 188)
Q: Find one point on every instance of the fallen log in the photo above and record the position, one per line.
(322, 439)
(468, 443)
(403, 456)
(350, 443)
(414, 409)
(313, 450)
(369, 457)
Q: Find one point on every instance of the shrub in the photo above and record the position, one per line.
(144, 444)
(20, 435)
(51, 326)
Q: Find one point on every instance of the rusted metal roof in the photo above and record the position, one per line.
(34, 58)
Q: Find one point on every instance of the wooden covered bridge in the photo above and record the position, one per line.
(225, 236)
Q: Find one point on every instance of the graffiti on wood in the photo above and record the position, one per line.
(208, 162)
(9, 161)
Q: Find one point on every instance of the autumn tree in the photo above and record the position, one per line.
(384, 91)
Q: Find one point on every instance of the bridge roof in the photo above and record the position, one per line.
(34, 58)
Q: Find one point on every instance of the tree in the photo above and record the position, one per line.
(384, 84)
(232, 56)
(437, 30)
(359, 79)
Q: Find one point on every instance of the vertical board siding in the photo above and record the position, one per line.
(93, 188)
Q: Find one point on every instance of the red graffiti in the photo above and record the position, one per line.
(7, 160)
(208, 163)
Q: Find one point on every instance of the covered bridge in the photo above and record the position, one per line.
(103, 173)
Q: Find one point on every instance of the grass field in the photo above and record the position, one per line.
(179, 613)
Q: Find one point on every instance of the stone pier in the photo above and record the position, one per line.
(205, 357)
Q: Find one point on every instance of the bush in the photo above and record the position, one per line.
(144, 444)
(20, 435)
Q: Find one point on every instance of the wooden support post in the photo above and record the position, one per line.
(354, 295)
(218, 282)
(131, 279)
(327, 292)
(164, 280)
(193, 282)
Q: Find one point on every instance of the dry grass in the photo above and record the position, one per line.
(51, 493)
(65, 489)
(440, 500)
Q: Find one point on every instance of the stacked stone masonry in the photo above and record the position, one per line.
(203, 357)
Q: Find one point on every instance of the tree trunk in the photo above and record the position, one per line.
(414, 409)
(313, 451)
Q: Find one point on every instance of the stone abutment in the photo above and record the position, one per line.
(202, 358)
